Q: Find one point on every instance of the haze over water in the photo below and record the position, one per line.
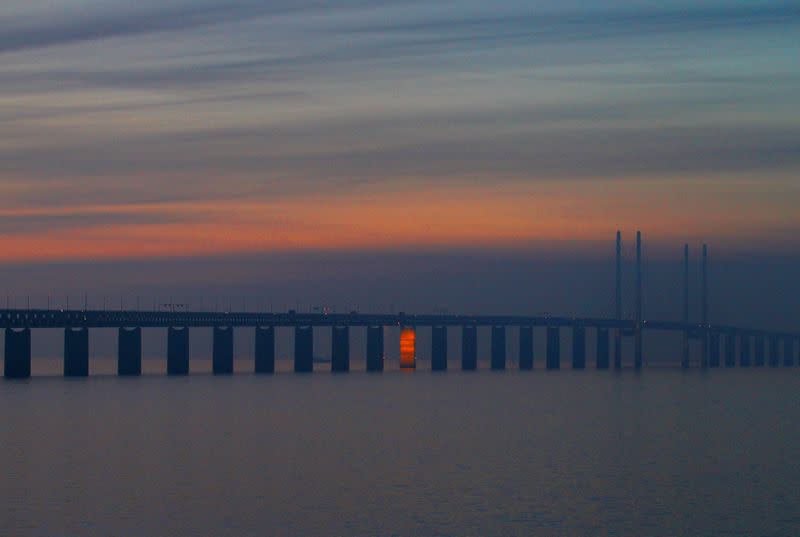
(512, 453)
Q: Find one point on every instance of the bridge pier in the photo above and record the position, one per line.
(18, 354)
(76, 352)
(303, 349)
(222, 350)
(713, 349)
(774, 351)
(439, 348)
(498, 347)
(759, 345)
(744, 350)
(788, 352)
(578, 347)
(340, 349)
(469, 348)
(553, 347)
(178, 350)
(602, 354)
(618, 348)
(637, 347)
(525, 348)
(129, 351)
(730, 350)
(685, 354)
(265, 349)
(375, 348)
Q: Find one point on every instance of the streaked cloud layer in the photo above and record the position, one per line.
(191, 128)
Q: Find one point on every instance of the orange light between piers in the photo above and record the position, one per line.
(408, 339)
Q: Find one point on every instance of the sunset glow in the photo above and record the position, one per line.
(408, 351)
(374, 218)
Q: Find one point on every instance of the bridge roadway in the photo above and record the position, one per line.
(755, 347)
(41, 318)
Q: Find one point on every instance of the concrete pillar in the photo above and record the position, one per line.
(178, 350)
(374, 348)
(439, 348)
(578, 347)
(18, 354)
(265, 349)
(759, 348)
(469, 348)
(303, 349)
(797, 360)
(730, 350)
(222, 352)
(553, 347)
(637, 347)
(498, 347)
(788, 352)
(340, 349)
(526, 348)
(129, 351)
(713, 349)
(744, 350)
(76, 352)
(685, 353)
(602, 354)
(774, 351)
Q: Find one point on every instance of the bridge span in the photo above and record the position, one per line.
(727, 346)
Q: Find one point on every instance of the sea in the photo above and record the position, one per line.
(663, 452)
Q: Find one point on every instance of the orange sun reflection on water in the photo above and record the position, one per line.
(408, 339)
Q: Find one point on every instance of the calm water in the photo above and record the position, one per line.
(565, 453)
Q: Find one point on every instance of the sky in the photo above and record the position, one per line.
(292, 151)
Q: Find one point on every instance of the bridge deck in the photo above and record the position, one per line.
(39, 318)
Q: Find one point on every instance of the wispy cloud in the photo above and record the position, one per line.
(110, 103)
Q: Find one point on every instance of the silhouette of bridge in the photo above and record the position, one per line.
(742, 346)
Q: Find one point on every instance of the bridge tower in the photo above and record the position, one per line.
(618, 305)
(638, 329)
(685, 357)
(705, 333)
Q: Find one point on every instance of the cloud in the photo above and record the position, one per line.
(106, 20)
(533, 144)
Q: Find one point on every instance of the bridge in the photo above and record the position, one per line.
(743, 346)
